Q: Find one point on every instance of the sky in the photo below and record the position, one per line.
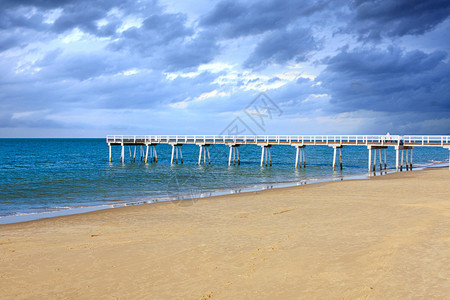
(88, 68)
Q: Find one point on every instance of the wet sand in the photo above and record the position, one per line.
(383, 238)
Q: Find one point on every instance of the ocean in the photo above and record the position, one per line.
(49, 177)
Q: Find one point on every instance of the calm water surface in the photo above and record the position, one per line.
(42, 175)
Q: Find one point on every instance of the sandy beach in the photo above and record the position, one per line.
(383, 238)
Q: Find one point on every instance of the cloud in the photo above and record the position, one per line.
(8, 41)
(235, 19)
(73, 63)
(394, 18)
(99, 18)
(84, 17)
(21, 18)
(156, 31)
(390, 80)
(281, 46)
(199, 50)
(40, 4)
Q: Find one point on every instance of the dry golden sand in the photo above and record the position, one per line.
(383, 238)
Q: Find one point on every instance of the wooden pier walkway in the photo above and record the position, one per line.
(373, 143)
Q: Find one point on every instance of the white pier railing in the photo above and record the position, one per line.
(390, 140)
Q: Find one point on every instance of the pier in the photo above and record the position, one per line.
(403, 146)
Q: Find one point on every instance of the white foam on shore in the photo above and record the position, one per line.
(66, 211)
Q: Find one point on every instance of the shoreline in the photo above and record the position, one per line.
(386, 237)
(33, 216)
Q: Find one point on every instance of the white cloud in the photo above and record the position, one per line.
(211, 94)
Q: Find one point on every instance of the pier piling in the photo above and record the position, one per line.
(146, 154)
(401, 161)
(334, 156)
(411, 160)
(205, 152)
(372, 165)
(234, 153)
(385, 150)
(266, 157)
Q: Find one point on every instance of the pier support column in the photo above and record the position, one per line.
(262, 155)
(385, 164)
(266, 155)
(122, 154)
(374, 159)
(132, 156)
(176, 151)
(205, 150)
(151, 154)
(155, 155)
(146, 154)
(396, 159)
(207, 154)
(334, 156)
(411, 161)
(267, 150)
(407, 159)
(234, 152)
(304, 156)
(376, 149)
(381, 159)
(109, 145)
(301, 158)
(401, 161)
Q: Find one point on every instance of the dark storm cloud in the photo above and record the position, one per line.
(234, 19)
(15, 19)
(374, 19)
(18, 27)
(389, 80)
(27, 20)
(281, 46)
(156, 31)
(81, 14)
(166, 38)
(200, 50)
(34, 3)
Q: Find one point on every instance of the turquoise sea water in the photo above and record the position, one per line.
(46, 175)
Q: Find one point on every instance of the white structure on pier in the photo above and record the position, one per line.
(372, 142)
